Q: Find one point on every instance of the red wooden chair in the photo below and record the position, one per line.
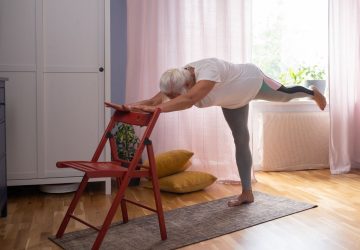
(116, 168)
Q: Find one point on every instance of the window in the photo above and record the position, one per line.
(289, 34)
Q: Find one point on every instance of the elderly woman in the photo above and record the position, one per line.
(214, 82)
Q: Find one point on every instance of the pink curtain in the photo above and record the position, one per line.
(344, 80)
(163, 34)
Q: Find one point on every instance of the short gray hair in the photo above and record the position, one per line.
(173, 81)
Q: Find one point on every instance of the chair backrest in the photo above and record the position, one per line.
(132, 118)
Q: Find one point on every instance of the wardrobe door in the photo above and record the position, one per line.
(18, 63)
(71, 91)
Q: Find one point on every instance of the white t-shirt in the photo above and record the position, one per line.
(236, 84)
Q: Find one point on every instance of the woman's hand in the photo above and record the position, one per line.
(128, 108)
(144, 108)
(118, 106)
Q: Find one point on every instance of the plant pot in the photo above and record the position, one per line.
(319, 84)
(134, 182)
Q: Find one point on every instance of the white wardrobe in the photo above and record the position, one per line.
(53, 54)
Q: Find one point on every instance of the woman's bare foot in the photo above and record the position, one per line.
(319, 98)
(246, 197)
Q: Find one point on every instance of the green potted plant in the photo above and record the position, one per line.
(127, 142)
(292, 77)
(315, 76)
(305, 75)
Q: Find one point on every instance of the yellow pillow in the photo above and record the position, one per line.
(184, 182)
(171, 162)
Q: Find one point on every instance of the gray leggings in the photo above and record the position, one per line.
(238, 120)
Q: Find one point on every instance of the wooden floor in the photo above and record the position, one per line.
(335, 224)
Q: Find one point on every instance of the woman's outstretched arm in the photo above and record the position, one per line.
(184, 101)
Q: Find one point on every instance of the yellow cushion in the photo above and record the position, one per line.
(184, 182)
(171, 162)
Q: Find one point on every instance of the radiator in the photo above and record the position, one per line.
(295, 141)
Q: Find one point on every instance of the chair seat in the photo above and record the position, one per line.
(95, 169)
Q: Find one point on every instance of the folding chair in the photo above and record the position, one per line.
(120, 169)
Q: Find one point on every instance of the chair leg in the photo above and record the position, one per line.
(124, 211)
(157, 195)
(159, 208)
(72, 206)
(108, 220)
(123, 204)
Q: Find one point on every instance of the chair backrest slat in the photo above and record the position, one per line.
(133, 118)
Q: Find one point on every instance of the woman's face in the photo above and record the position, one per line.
(188, 86)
